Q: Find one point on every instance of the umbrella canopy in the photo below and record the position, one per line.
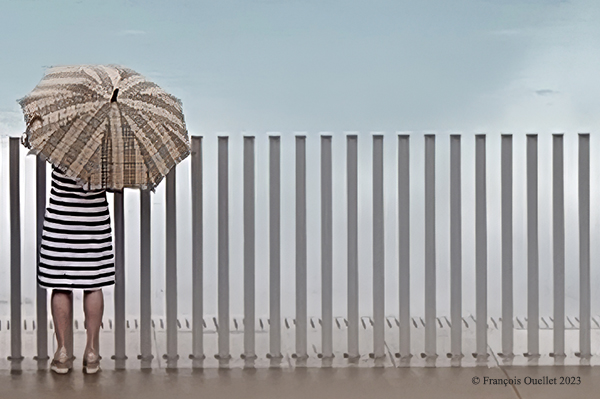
(106, 126)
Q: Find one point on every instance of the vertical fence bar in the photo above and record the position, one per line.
(326, 250)
(171, 269)
(558, 235)
(41, 295)
(584, 247)
(15, 255)
(455, 247)
(274, 249)
(430, 283)
(223, 267)
(404, 243)
(119, 291)
(352, 176)
(249, 250)
(301, 309)
(378, 250)
(507, 246)
(533, 305)
(480, 246)
(145, 356)
(197, 254)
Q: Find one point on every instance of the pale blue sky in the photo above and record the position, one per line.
(327, 65)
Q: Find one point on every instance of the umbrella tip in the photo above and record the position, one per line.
(114, 96)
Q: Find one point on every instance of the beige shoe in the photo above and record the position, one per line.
(91, 363)
(62, 362)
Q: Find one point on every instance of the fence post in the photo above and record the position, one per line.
(430, 249)
(378, 252)
(274, 252)
(455, 247)
(223, 247)
(171, 269)
(353, 317)
(326, 252)
(558, 235)
(481, 246)
(404, 243)
(301, 312)
(145, 281)
(119, 356)
(197, 355)
(507, 247)
(15, 256)
(41, 294)
(584, 247)
(249, 253)
(533, 307)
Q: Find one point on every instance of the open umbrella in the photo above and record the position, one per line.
(105, 126)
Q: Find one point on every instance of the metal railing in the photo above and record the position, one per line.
(379, 218)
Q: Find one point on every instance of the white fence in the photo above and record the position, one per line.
(368, 247)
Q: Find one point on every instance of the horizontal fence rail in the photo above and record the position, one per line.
(420, 200)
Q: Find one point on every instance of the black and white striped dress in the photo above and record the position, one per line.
(76, 250)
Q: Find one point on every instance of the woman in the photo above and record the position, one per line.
(76, 253)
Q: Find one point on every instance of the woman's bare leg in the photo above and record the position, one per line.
(62, 314)
(93, 307)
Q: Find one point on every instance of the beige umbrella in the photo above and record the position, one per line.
(106, 126)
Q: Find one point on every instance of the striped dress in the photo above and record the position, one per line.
(76, 249)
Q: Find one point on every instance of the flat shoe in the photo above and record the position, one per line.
(91, 364)
(62, 365)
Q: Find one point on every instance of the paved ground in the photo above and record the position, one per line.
(530, 380)
(307, 383)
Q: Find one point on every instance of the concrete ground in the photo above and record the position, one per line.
(314, 383)
(521, 377)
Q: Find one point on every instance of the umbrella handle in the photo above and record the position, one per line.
(25, 140)
(25, 135)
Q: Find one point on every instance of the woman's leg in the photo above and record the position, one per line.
(93, 307)
(62, 308)
(62, 313)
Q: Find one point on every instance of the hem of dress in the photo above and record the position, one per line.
(71, 287)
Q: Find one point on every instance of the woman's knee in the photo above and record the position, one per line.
(61, 291)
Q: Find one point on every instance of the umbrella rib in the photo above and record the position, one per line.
(46, 104)
(178, 129)
(74, 134)
(147, 125)
(159, 107)
(51, 127)
(145, 155)
(146, 87)
(92, 135)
